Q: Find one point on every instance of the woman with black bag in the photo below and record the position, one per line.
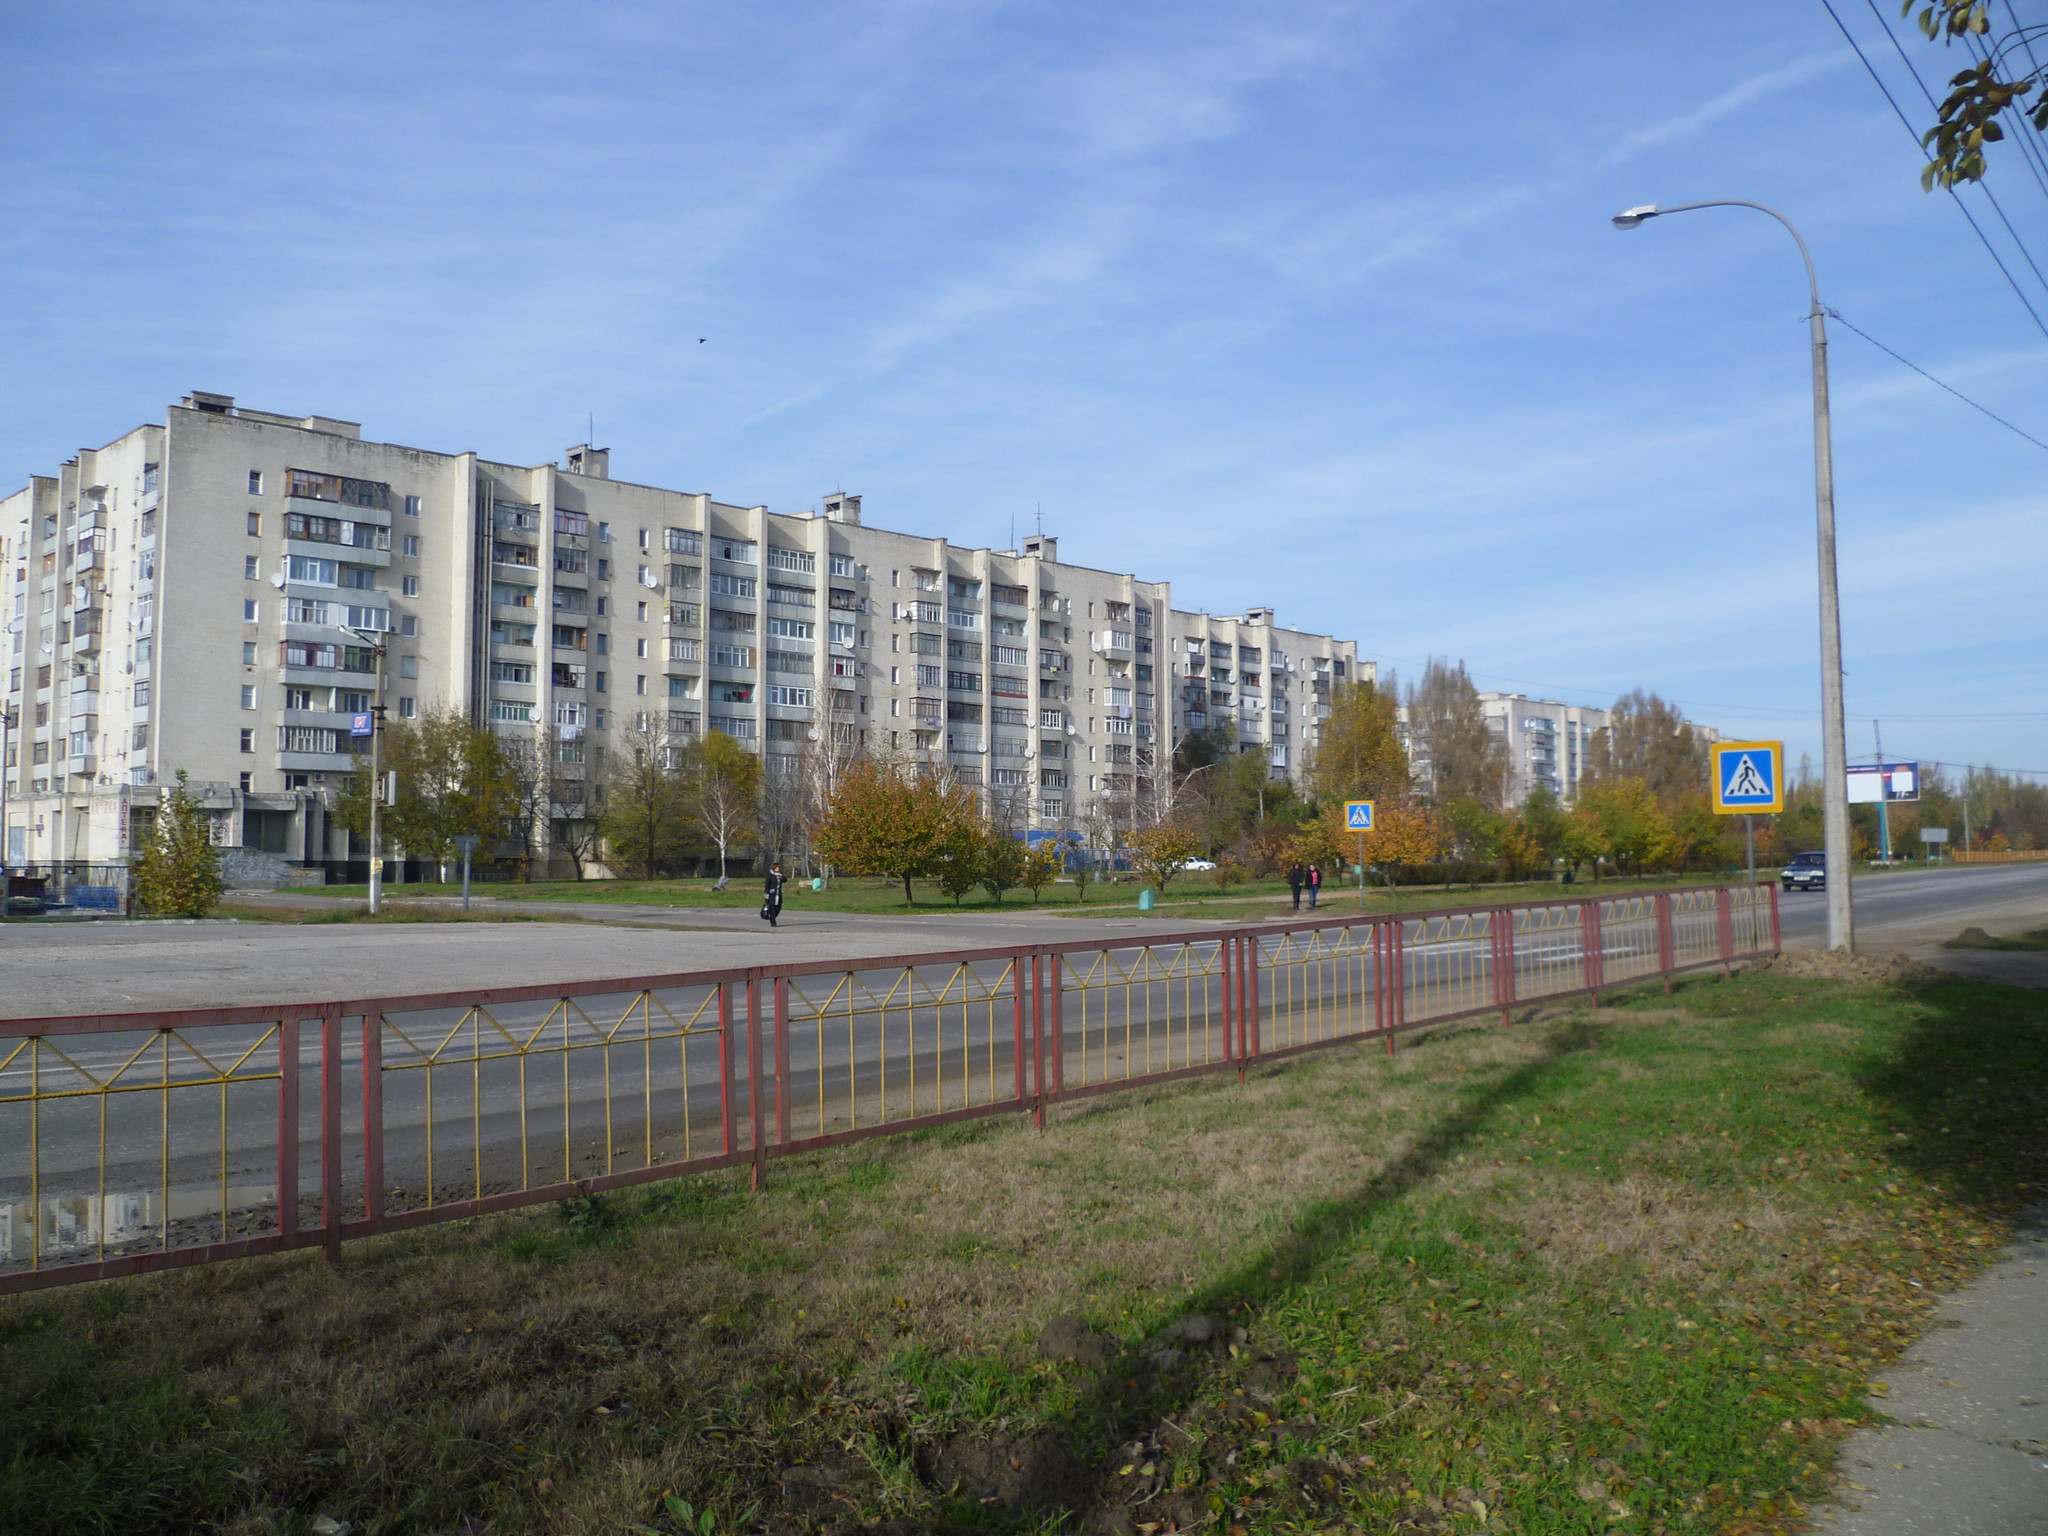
(771, 902)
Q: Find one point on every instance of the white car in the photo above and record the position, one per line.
(1196, 864)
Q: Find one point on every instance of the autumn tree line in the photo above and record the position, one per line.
(655, 806)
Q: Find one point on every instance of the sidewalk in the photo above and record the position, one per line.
(1967, 1451)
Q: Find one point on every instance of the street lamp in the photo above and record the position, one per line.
(375, 640)
(1834, 736)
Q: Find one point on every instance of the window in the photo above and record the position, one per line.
(505, 712)
(924, 645)
(574, 561)
(1016, 597)
(571, 600)
(348, 702)
(683, 541)
(1005, 715)
(842, 565)
(515, 517)
(600, 682)
(255, 486)
(503, 633)
(408, 586)
(569, 638)
(722, 619)
(294, 698)
(410, 546)
(305, 485)
(248, 653)
(1010, 778)
(682, 687)
(511, 671)
(1010, 656)
(640, 650)
(604, 645)
(639, 682)
(732, 693)
(248, 610)
(967, 712)
(964, 682)
(412, 506)
(792, 597)
(839, 634)
(794, 698)
(573, 523)
(963, 589)
(248, 741)
(249, 571)
(408, 666)
(361, 577)
(683, 613)
(604, 533)
(739, 551)
(688, 577)
(255, 523)
(731, 586)
(732, 655)
(248, 695)
(792, 560)
(966, 650)
(682, 650)
(307, 568)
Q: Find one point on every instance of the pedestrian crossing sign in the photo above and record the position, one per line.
(1358, 815)
(1749, 777)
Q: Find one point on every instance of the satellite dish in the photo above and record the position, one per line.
(982, 748)
(277, 581)
(811, 736)
(1030, 752)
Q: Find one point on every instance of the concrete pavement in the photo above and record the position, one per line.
(1967, 1453)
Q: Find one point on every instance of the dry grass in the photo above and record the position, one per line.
(1589, 1176)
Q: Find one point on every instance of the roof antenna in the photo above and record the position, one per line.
(591, 440)
(1041, 518)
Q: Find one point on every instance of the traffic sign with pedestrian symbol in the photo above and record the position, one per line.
(1748, 777)
(1358, 815)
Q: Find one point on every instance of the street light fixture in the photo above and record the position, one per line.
(375, 640)
(1834, 736)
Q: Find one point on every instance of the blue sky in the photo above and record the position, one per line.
(1310, 304)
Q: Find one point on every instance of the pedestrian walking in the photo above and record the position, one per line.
(1297, 877)
(771, 900)
(1315, 884)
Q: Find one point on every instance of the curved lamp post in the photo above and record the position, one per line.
(1834, 737)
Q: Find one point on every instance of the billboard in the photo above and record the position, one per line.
(1870, 783)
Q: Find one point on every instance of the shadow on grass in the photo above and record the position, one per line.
(1129, 1401)
(1966, 1085)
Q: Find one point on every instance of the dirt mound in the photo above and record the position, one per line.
(1828, 965)
(1974, 938)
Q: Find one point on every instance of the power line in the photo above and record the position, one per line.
(1991, 197)
(1907, 124)
(1930, 378)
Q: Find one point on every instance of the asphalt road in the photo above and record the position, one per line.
(1913, 911)
(526, 1118)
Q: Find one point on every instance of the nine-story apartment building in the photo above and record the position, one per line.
(227, 592)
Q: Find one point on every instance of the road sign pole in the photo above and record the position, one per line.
(1884, 793)
(465, 879)
(1749, 845)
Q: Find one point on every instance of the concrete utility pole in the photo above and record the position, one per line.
(1834, 732)
(375, 640)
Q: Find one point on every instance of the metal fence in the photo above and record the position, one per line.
(132, 1142)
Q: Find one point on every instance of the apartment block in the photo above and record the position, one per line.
(1543, 741)
(228, 592)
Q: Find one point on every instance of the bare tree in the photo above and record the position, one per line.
(1457, 757)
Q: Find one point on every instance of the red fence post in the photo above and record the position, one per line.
(1592, 959)
(1252, 994)
(1056, 1021)
(288, 1128)
(756, 1110)
(1044, 969)
(1397, 1002)
(1017, 964)
(1233, 1000)
(725, 1124)
(1667, 940)
(1724, 919)
(782, 1131)
(1501, 928)
(330, 1130)
(373, 1113)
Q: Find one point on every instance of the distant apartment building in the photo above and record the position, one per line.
(1543, 742)
(225, 593)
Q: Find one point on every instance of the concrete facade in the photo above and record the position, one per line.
(1544, 742)
(196, 596)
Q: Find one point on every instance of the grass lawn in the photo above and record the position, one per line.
(1189, 895)
(1625, 1269)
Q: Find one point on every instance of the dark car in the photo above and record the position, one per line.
(1806, 872)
